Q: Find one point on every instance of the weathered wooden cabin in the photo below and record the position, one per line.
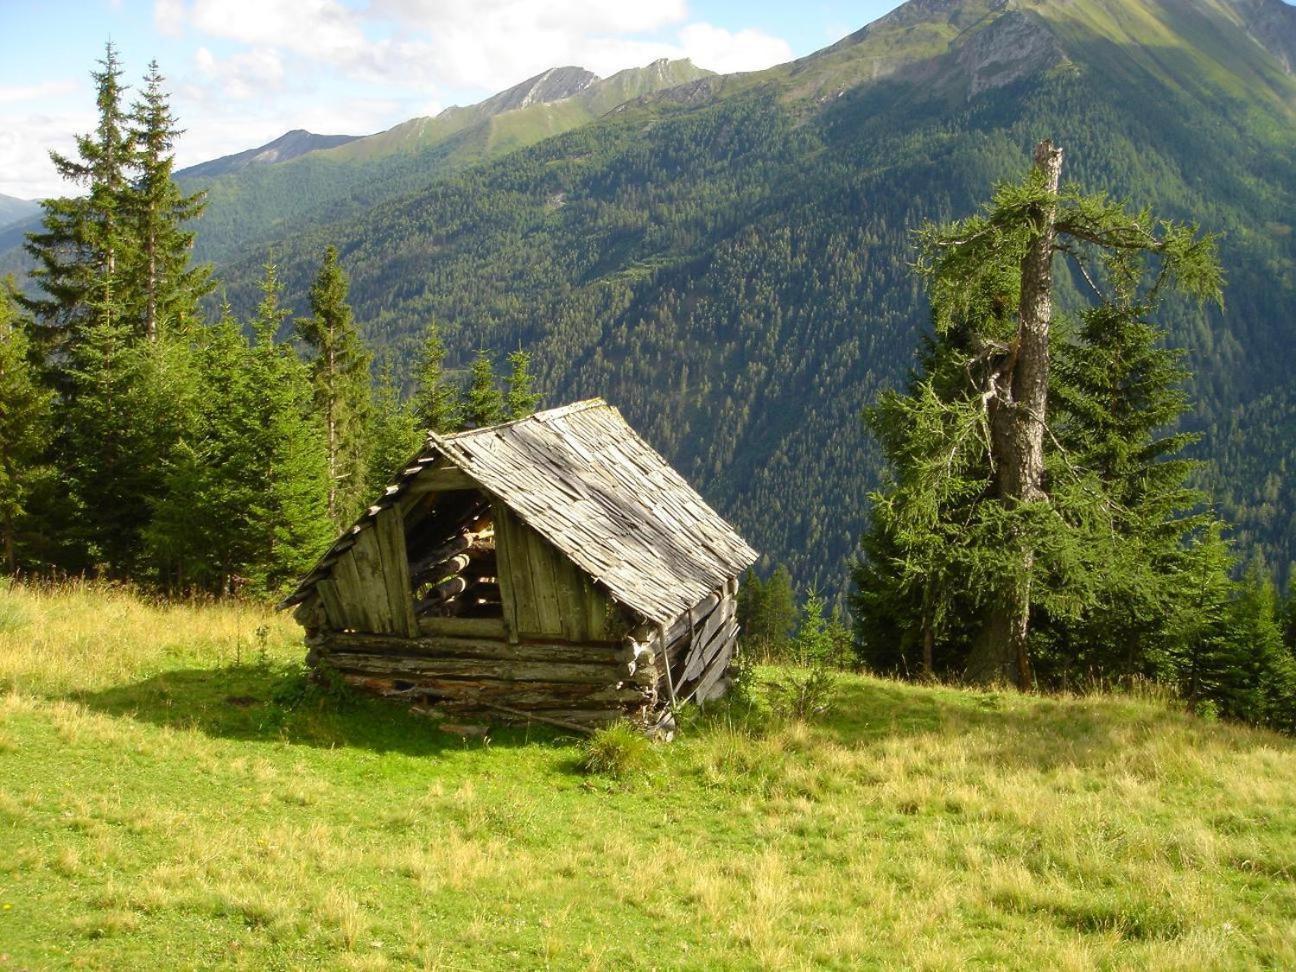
(552, 568)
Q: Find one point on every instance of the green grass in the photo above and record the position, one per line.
(172, 795)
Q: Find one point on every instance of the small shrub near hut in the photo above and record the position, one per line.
(804, 695)
(619, 750)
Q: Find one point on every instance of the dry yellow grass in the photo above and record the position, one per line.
(79, 635)
(184, 804)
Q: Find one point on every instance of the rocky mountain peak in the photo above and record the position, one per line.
(552, 85)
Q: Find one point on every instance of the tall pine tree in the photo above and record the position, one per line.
(340, 377)
(84, 242)
(484, 405)
(436, 400)
(394, 434)
(24, 425)
(201, 535)
(164, 286)
(291, 510)
(520, 399)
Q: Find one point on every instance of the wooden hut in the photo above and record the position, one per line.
(552, 568)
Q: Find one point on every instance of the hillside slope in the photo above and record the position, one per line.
(728, 260)
(14, 210)
(173, 795)
(285, 148)
(255, 205)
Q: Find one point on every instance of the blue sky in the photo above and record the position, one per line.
(244, 71)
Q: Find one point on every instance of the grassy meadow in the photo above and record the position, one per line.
(174, 795)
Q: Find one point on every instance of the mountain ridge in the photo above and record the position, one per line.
(259, 204)
(14, 210)
(288, 146)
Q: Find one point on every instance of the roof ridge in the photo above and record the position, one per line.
(546, 415)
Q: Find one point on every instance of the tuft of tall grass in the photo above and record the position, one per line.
(619, 751)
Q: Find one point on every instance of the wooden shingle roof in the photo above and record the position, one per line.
(585, 481)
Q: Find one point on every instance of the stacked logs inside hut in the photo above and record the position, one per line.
(457, 576)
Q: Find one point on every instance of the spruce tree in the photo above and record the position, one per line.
(751, 600)
(24, 424)
(1258, 682)
(117, 422)
(773, 613)
(436, 401)
(484, 405)
(84, 243)
(1287, 615)
(202, 535)
(520, 400)
(165, 287)
(1116, 391)
(813, 643)
(340, 377)
(394, 434)
(291, 509)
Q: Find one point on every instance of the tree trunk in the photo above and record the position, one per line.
(1017, 415)
(150, 304)
(10, 557)
(928, 636)
(330, 414)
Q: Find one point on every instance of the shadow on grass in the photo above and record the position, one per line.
(267, 703)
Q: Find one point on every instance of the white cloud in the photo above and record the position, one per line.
(588, 17)
(169, 17)
(261, 67)
(25, 144)
(481, 45)
(726, 52)
(12, 94)
(248, 74)
(316, 28)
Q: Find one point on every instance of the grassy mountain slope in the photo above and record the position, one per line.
(728, 260)
(285, 148)
(14, 210)
(173, 796)
(263, 203)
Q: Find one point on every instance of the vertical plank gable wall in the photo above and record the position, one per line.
(545, 595)
(370, 584)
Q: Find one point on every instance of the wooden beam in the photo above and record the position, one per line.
(464, 627)
(511, 539)
(542, 694)
(718, 668)
(390, 530)
(373, 582)
(351, 592)
(334, 609)
(544, 581)
(604, 653)
(423, 666)
(440, 481)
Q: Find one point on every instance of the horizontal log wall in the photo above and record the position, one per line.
(470, 665)
(590, 682)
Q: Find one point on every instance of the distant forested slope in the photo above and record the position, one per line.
(729, 261)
